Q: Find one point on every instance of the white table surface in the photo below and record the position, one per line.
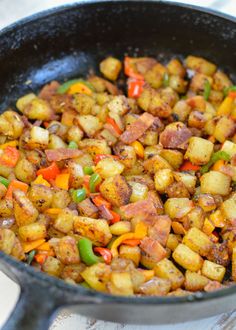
(11, 10)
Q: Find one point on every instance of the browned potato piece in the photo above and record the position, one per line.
(130, 252)
(25, 171)
(201, 65)
(181, 110)
(166, 269)
(156, 287)
(120, 284)
(61, 199)
(73, 272)
(17, 250)
(24, 210)
(199, 150)
(97, 276)
(6, 208)
(3, 190)
(178, 207)
(213, 271)
(116, 190)
(195, 281)
(38, 109)
(225, 128)
(187, 258)
(95, 229)
(234, 264)
(221, 81)
(74, 134)
(110, 68)
(95, 147)
(198, 82)
(64, 221)
(126, 154)
(178, 84)
(83, 104)
(198, 241)
(66, 250)
(7, 240)
(155, 163)
(89, 124)
(196, 217)
(41, 196)
(52, 266)
(175, 67)
(11, 124)
(214, 183)
(32, 232)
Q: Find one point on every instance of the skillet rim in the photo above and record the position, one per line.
(79, 290)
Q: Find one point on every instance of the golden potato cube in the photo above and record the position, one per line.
(229, 147)
(90, 124)
(215, 183)
(32, 232)
(108, 167)
(234, 264)
(166, 269)
(201, 65)
(187, 258)
(24, 211)
(23, 101)
(173, 157)
(225, 127)
(173, 241)
(195, 281)
(228, 208)
(199, 150)
(156, 287)
(41, 196)
(95, 146)
(163, 178)
(196, 217)
(97, 276)
(213, 271)
(198, 241)
(95, 229)
(120, 228)
(155, 163)
(110, 68)
(7, 240)
(52, 266)
(66, 250)
(178, 207)
(121, 284)
(64, 221)
(130, 252)
(116, 190)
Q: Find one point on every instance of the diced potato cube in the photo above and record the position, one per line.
(73, 272)
(206, 202)
(229, 147)
(173, 241)
(110, 68)
(163, 178)
(155, 163)
(201, 65)
(41, 196)
(196, 217)
(187, 258)
(215, 182)
(7, 240)
(228, 208)
(25, 171)
(199, 150)
(32, 232)
(120, 228)
(139, 191)
(55, 142)
(95, 229)
(52, 266)
(95, 146)
(97, 276)
(24, 211)
(39, 137)
(108, 167)
(187, 179)
(61, 199)
(64, 221)
(38, 109)
(195, 281)
(83, 104)
(66, 250)
(23, 101)
(90, 124)
(197, 241)
(121, 284)
(116, 190)
(234, 264)
(178, 207)
(156, 287)
(213, 271)
(225, 128)
(130, 252)
(166, 269)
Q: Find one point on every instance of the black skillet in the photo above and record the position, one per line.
(66, 42)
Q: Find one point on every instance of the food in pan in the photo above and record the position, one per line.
(125, 182)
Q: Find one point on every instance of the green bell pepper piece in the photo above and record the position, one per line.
(95, 179)
(87, 255)
(216, 156)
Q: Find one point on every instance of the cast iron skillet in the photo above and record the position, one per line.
(66, 42)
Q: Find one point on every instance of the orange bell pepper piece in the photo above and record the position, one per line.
(28, 246)
(9, 157)
(135, 88)
(98, 200)
(188, 166)
(112, 122)
(131, 242)
(105, 253)
(62, 181)
(130, 70)
(15, 184)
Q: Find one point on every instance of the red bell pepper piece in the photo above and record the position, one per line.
(9, 157)
(50, 172)
(105, 253)
(132, 242)
(116, 217)
(112, 122)
(188, 166)
(129, 69)
(15, 184)
(135, 88)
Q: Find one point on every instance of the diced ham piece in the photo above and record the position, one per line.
(161, 229)
(142, 208)
(153, 248)
(55, 155)
(175, 135)
(49, 90)
(138, 128)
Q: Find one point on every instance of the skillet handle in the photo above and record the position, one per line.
(33, 310)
